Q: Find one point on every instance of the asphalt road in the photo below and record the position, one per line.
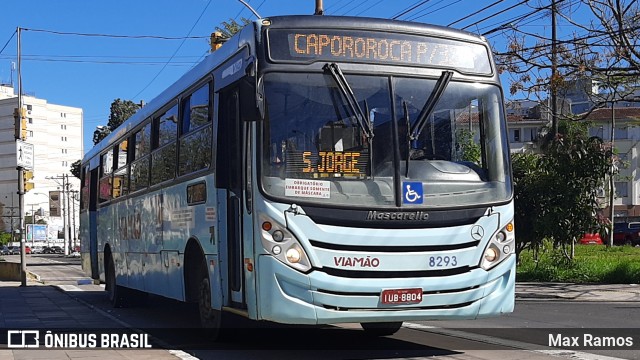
(175, 325)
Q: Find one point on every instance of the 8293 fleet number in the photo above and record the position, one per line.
(442, 261)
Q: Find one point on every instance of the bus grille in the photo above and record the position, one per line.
(393, 249)
(395, 274)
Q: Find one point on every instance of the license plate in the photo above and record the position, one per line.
(401, 296)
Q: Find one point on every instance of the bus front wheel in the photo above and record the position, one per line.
(210, 318)
(115, 292)
(381, 328)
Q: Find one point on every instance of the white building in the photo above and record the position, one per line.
(626, 137)
(523, 123)
(56, 134)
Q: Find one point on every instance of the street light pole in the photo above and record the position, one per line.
(23, 259)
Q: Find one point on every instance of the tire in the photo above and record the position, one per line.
(381, 328)
(115, 293)
(210, 318)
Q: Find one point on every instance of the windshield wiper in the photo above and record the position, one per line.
(362, 118)
(430, 105)
(405, 107)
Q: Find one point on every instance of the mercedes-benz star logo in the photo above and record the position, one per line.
(477, 232)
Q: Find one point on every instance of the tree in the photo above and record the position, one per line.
(120, 112)
(604, 48)
(100, 133)
(231, 27)
(556, 192)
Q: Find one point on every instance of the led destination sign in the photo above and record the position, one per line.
(365, 46)
(307, 164)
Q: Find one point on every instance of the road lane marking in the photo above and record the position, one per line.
(68, 287)
(569, 354)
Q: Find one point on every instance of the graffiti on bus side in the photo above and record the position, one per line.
(130, 226)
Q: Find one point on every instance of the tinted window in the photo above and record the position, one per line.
(168, 126)
(195, 151)
(143, 141)
(196, 110)
(139, 174)
(163, 163)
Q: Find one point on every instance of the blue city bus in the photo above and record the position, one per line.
(313, 170)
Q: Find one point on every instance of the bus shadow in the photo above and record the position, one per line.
(175, 325)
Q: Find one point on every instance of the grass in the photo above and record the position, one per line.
(592, 264)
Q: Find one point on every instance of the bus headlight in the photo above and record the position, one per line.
(293, 255)
(283, 245)
(499, 247)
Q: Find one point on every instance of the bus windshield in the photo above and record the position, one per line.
(317, 147)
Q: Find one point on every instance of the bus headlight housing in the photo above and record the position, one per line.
(283, 245)
(500, 247)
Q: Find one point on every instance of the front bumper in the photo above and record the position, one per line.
(288, 296)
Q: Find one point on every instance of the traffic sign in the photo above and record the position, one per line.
(24, 154)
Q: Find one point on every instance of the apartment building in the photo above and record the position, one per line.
(626, 140)
(525, 123)
(56, 134)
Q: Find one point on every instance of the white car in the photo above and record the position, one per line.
(37, 249)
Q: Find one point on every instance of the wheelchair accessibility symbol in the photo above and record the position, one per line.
(412, 193)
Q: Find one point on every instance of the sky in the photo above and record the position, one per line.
(88, 53)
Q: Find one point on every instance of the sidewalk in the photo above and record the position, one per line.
(38, 306)
(578, 292)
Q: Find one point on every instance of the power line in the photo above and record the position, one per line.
(343, 6)
(436, 10)
(8, 41)
(100, 56)
(498, 13)
(175, 52)
(369, 8)
(334, 4)
(118, 36)
(181, 63)
(423, 12)
(355, 7)
(417, 5)
(477, 12)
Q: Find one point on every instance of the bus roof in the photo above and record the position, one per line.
(371, 24)
(195, 74)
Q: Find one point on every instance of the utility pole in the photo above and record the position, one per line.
(65, 209)
(67, 235)
(612, 183)
(74, 197)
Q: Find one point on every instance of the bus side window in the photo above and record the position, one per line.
(106, 170)
(84, 188)
(139, 173)
(163, 157)
(195, 132)
(121, 175)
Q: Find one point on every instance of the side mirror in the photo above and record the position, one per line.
(251, 95)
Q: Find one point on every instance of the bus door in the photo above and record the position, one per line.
(229, 182)
(93, 221)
